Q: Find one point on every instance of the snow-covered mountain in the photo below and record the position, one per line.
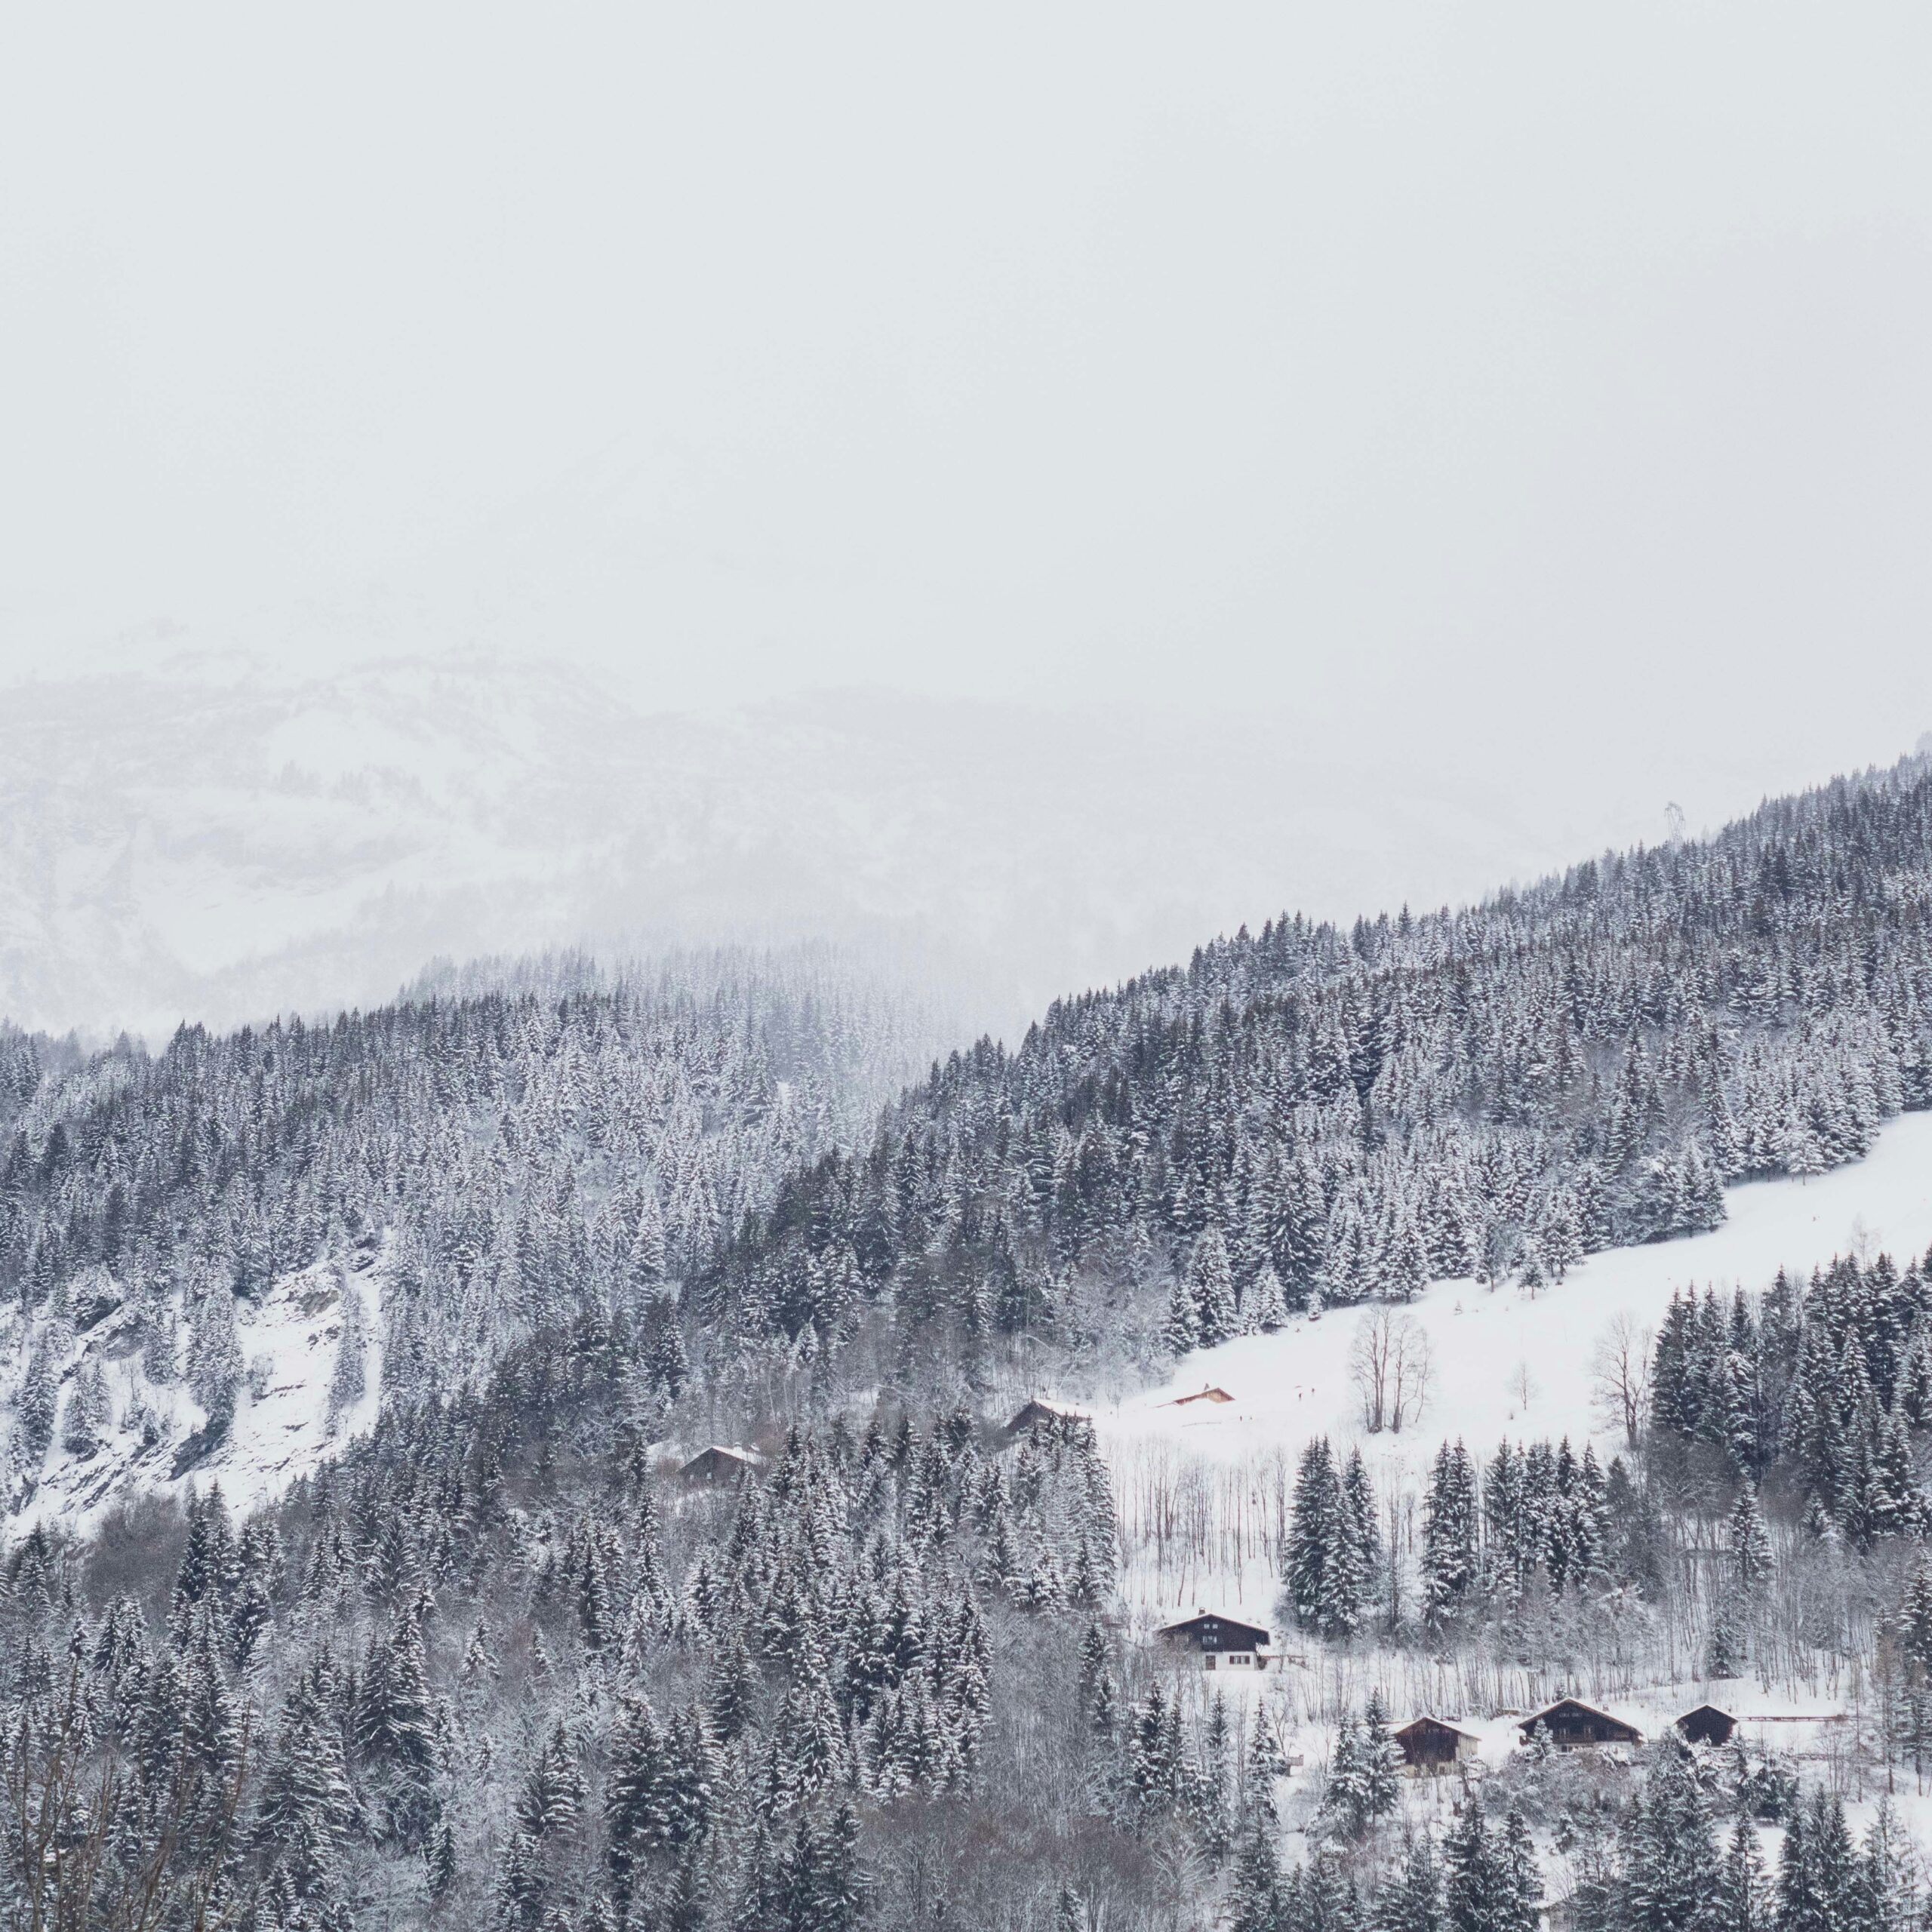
(205, 839)
(571, 1224)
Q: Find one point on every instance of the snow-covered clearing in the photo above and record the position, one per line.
(1223, 1465)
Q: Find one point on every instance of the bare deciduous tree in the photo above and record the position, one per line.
(1388, 1363)
(1620, 1369)
(1522, 1386)
(1411, 1373)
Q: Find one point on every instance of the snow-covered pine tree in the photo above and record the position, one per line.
(1210, 1283)
(1264, 1306)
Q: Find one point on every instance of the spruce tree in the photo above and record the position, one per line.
(1739, 1900)
(1181, 1331)
(1750, 1542)
(1449, 1536)
(1518, 1898)
(1344, 1809)
(440, 1863)
(1264, 1307)
(1472, 1886)
(1411, 1899)
(1323, 1554)
(1381, 1760)
(1670, 1857)
(1723, 1649)
(1211, 1283)
(1254, 1888)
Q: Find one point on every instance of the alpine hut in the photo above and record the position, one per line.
(718, 1464)
(1574, 1725)
(1037, 1409)
(1222, 1642)
(1707, 1724)
(1430, 1746)
(1207, 1393)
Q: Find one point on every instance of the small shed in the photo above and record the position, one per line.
(1574, 1725)
(1707, 1724)
(1221, 1641)
(1037, 1409)
(1209, 1394)
(1431, 1746)
(718, 1464)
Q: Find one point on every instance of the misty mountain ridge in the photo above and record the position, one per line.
(205, 842)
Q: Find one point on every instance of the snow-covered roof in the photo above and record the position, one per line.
(1208, 1394)
(737, 1455)
(1218, 1618)
(1550, 1710)
(1429, 1717)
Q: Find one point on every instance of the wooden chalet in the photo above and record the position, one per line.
(1574, 1725)
(718, 1464)
(1221, 1642)
(1430, 1745)
(1707, 1724)
(1037, 1409)
(1209, 1394)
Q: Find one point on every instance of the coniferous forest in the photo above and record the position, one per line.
(501, 1656)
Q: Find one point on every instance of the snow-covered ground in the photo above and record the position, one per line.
(1485, 1346)
(153, 1441)
(1294, 1384)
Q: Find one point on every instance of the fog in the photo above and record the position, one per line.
(1489, 402)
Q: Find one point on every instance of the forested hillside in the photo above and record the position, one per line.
(493, 1669)
(1309, 1113)
(520, 1154)
(496, 1659)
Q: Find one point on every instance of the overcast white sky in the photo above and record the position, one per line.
(1476, 383)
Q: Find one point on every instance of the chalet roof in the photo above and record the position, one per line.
(1046, 1405)
(1214, 1616)
(749, 1457)
(1562, 1704)
(1707, 1722)
(1208, 1394)
(1441, 1723)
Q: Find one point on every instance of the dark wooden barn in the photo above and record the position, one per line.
(1220, 1640)
(718, 1464)
(1707, 1724)
(1573, 1725)
(1429, 1745)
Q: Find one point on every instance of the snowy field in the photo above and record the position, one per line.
(1293, 1385)
(1486, 1346)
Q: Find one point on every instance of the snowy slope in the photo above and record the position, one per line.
(154, 1437)
(1294, 1384)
